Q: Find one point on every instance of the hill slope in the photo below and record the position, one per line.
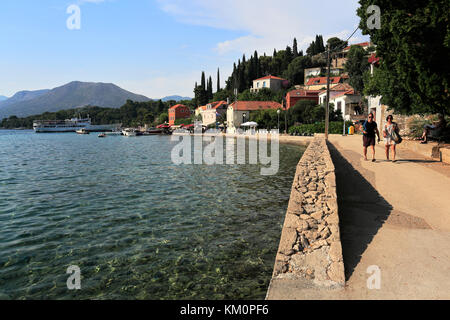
(72, 95)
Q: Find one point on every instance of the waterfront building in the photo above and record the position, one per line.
(213, 111)
(239, 112)
(178, 111)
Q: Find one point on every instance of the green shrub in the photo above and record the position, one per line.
(319, 127)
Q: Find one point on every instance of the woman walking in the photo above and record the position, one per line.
(389, 128)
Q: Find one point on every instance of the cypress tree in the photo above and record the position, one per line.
(203, 83)
(218, 79)
(295, 49)
(210, 88)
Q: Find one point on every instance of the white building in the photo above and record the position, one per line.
(344, 99)
(269, 82)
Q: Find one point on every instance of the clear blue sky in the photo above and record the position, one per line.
(153, 47)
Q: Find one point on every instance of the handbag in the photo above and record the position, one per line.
(396, 136)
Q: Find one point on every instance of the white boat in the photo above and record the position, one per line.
(82, 131)
(129, 132)
(71, 125)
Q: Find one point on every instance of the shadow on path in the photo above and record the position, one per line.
(362, 210)
(417, 161)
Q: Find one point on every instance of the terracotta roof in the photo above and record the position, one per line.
(218, 104)
(304, 93)
(323, 80)
(344, 93)
(269, 77)
(340, 87)
(255, 105)
(362, 44)
(177, 106)
(214, 105)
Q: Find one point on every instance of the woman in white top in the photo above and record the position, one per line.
(389, 129)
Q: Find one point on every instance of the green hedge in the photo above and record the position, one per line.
(319, 127)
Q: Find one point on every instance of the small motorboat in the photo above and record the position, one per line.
(129, 132)
(82, 131)
(102, 135)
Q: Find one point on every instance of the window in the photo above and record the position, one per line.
(264, 84)
(339, 106)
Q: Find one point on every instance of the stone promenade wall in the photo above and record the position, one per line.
(310, 246)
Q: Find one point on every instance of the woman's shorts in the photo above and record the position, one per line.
(368, 141)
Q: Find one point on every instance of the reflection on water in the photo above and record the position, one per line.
(138, 226)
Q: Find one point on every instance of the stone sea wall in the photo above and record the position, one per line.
(310, 247)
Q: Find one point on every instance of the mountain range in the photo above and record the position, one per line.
(69, 96)
(174, 98)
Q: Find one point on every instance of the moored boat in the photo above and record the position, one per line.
(129, 132)
(82, 131)
(71, 125)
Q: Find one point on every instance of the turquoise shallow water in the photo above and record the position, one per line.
(138, 226)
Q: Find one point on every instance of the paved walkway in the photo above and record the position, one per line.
(395, 216)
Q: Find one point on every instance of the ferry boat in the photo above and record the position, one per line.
(71, 125)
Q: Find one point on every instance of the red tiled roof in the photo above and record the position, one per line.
(177, 106)
(269, 77)
(350, 93)
(255, 105)
(214, 105)
(323, 80)
(304, 93)
(363, 44)
(340, 87)
(218, 104)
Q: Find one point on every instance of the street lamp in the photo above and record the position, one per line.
(244, 116)
(278, 113)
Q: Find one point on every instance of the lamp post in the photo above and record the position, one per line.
(244, 116)
(327, 110)
(285, 115)
(278, 113)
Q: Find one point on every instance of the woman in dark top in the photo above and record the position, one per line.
(370, 130)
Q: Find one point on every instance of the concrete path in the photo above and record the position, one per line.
(395, 216)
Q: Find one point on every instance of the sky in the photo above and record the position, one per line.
(154, 47)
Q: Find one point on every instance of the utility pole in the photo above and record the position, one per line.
(327, 111)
